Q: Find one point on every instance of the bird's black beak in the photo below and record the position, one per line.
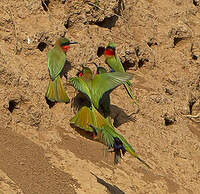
(72, 42)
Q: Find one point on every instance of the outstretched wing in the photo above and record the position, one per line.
(56, 62)
(108, 136)
(105, 82)
(81, 86)
(104, 136)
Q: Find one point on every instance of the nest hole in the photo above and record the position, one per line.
(177, 40)
(141, 62)
(100, 51)
(108, 22)
(127, 65)
(169, 121)
(194, 57)
(41, 46)
(12, 105)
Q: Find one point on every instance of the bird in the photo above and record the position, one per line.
(109, 136)
(114, 62)
(56, 61)
(105, 101)
(94, 88)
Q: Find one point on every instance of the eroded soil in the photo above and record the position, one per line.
(157, 41)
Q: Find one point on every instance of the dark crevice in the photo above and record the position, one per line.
(191, 103)
(120, 7)
(169, 121)
(168, 91)
(12, 105)
(127, 64)
(150, 43)
(137, 50)
(141, 62)
(67, 23)
(194, 57)
(195, 3)
(45, 4)
(108, 22)
(100, 51)
(41, 46)
(177, 40)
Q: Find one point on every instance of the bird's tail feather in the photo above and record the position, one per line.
(130, 93)
(82, 118)
(56, 92)
(117, 156)
(88, 116)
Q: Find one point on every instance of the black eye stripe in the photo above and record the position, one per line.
(65, 44)
(111, 48)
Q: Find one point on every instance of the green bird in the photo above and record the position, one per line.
(108, 136)
(94, 89)
(105, 101)
(56, 61)
(115, 64)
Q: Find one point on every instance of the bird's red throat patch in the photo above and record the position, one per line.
(65, 48)
(80, 74)
(109, 52)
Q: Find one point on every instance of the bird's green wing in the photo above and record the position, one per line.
(106, 82)
(104, 136)
(108, 134)
(127, 146)
(81, 86)
(56, 62)
(115, 64)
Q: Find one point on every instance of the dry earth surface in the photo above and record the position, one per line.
(157, 41)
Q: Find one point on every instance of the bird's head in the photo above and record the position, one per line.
(110, 49)
(64, 43)
(101, 70)
(86, 71)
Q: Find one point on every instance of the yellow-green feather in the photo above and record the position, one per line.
(56, 92)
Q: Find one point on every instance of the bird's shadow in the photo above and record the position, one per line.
(112, 189)
(79, 101)
(67, 67)
(119, 116)
(82, 132)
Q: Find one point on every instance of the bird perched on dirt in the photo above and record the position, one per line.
(113, 61)
(94, 88)
(108, 135)
(56, 61)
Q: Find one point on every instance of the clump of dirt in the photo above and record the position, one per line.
(157, 41)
